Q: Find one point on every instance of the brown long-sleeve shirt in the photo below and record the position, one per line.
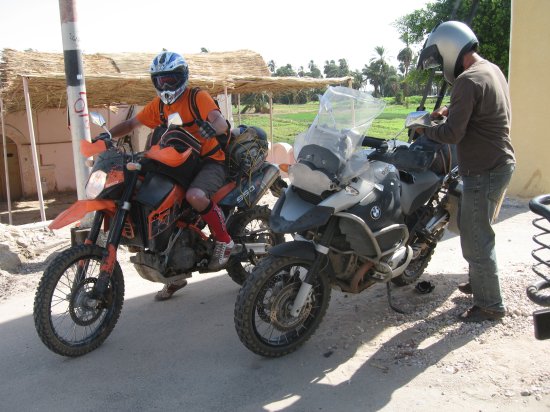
(479, 120)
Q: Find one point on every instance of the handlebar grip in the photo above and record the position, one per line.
(541, 206)
(375, 142)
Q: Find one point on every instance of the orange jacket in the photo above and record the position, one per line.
(150, 117)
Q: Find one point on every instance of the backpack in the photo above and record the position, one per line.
(246, 152)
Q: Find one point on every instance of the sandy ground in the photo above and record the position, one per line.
(184, 354)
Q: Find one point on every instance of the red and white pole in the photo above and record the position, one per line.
(76, 90)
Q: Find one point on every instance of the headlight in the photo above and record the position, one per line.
(95, 184)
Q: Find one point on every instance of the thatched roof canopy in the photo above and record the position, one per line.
(123, 78)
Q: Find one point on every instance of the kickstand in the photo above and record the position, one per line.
(390, 302)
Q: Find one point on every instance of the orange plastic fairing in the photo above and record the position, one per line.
(167, 213)
(79, 209)
(168, 155)
(88, 149)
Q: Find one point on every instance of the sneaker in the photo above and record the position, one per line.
(465, 288)
(169, 289)
(220, 256)
(477, 314)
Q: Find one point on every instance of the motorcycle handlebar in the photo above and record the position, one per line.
(375, 142)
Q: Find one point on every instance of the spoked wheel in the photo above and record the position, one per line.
(251, 227)
(67, 318)
(262, 312)
(415, 269)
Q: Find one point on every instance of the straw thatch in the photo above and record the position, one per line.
(123, 78)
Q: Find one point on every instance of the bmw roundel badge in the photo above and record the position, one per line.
(375, 212)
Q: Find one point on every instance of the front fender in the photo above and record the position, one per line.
(296, 248)
(81, 208)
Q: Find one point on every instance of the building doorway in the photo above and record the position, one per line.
(14, 172)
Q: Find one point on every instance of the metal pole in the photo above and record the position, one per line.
(271, 120)
(76, 90)
(227, 106)
(8, 192)
(33, 149)
(239, 108)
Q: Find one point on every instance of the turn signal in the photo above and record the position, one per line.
(283, 167)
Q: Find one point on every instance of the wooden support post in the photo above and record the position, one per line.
(8, 193)
(33, 149)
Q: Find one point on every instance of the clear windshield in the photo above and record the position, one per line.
(342, 121)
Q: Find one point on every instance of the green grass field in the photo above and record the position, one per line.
(291, 120)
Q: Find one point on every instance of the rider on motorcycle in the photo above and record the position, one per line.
(170, 74)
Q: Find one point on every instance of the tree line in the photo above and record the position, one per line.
(490, 22)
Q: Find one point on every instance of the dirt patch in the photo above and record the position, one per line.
(27, 211)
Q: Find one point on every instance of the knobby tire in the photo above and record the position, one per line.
(49, 296)
(253, 314)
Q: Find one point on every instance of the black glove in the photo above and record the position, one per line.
(102, 136)
(206, 129)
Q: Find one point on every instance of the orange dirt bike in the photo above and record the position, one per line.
(139, 201)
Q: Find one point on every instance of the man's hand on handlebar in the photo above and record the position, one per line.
(106, 137)
(102, 136)
(440, 113)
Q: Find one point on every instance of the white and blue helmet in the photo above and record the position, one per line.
(170, 75)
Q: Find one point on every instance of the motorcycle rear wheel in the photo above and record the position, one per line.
(250, 227)
(68, 321)
(262, 310)
(417, 266)
(415, 269)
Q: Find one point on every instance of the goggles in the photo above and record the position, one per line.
(168, 82)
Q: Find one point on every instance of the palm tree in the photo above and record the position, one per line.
(377, 71)
(405, 56)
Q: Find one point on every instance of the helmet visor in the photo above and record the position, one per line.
(430, 58)
(168, 81)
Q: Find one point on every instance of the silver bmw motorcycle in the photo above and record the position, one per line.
(361, 211)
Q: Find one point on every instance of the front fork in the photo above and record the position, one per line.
(307, 284)
(113, 240)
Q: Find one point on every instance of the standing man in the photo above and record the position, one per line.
(170, 74)
(478, 122)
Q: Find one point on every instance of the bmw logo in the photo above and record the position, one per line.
(375, 212)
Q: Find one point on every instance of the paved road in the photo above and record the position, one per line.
(183, 354)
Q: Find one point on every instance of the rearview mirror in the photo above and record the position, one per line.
(418, 119)
(97, 119)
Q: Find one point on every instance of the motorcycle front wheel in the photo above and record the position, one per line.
(252, 226)
(262, 311)
(69, 321)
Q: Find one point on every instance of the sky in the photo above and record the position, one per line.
(285, 31)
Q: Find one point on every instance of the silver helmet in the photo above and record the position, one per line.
(445, 46)
(170, 75)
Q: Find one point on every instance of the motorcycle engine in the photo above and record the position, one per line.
(182, 259)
